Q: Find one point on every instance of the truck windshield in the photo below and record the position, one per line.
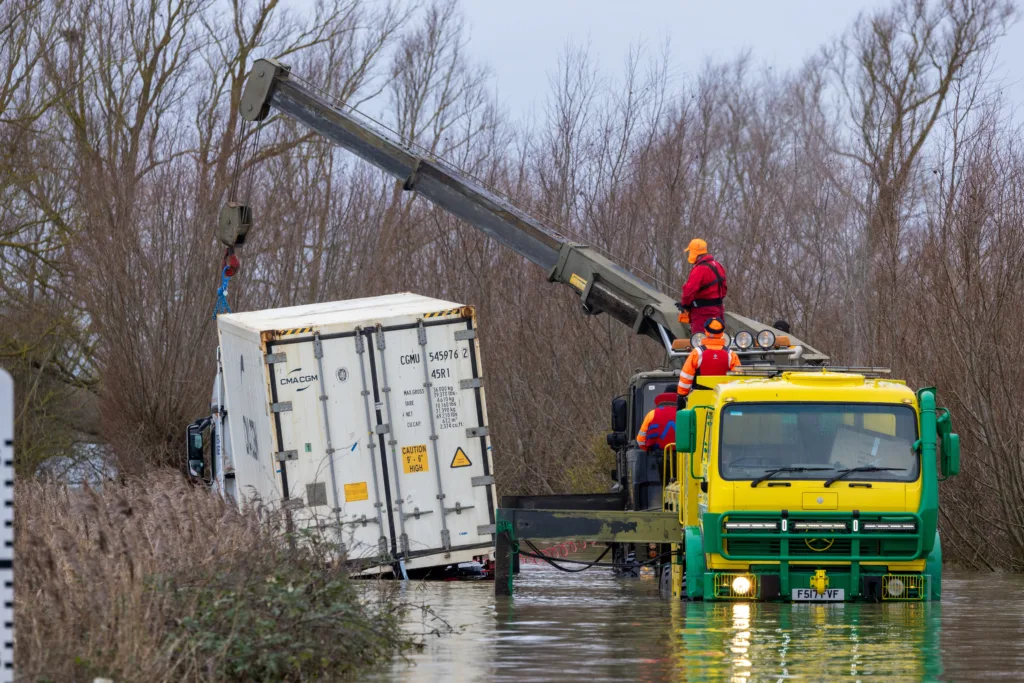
(841, 436)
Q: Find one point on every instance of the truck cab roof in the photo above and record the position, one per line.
(822, 386)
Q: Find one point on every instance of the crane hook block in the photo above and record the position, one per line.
(235, 221)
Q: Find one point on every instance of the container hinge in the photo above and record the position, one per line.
(421, 333)
(284, 456)
(318, 347)
(473, 432)
(473, 383)
(282, 407)
(462, 335)
(459, 507)
(417, 513)
(485, 529)
(272, 358)
(383, 428)
(485, 480)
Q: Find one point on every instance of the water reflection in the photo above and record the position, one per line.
(594, 627)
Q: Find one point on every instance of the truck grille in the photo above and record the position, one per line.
(754, 536)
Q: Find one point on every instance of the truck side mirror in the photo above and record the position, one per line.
(619, 414)
(686, 431)
(949, 444)
(949, 459)
(616, 440)
(198, 447)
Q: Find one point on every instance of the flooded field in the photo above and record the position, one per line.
(595, 627)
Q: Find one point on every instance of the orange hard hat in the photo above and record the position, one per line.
(714, 326)
(696, 247)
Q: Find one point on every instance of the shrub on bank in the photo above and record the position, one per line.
(157, 580)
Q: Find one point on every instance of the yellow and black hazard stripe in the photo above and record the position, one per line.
(296, 330)
(438, 314)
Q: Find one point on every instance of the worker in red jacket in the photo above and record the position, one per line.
(705, 288)
(659, 427)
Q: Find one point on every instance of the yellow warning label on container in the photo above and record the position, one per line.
(460, 459)
(355, 492)
(577, 282)
(414, 459)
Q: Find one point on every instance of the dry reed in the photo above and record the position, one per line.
(155, 580)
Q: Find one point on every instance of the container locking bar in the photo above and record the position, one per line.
(318, 352)
(382, 542)
(421, 333)
(403, 537)
(281, 407)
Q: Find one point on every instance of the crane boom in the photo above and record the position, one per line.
(602, 285)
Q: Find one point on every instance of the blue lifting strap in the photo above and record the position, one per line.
(222, 295)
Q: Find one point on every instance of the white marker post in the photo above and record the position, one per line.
(6, 527)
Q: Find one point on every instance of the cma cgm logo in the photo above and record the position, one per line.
(294, 378)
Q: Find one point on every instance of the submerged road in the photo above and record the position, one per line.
(593, 627)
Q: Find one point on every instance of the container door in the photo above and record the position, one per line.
(330, 447)
(437, 448)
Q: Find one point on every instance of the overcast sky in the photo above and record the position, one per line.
(521, 40)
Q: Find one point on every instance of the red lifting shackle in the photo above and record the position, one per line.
(230, 263)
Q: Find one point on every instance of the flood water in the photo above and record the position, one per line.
(593, 627)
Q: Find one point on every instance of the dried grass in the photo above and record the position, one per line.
(156, 580)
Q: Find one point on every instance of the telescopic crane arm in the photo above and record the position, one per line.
(602, 285)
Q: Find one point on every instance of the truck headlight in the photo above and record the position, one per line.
(696, 339)
(744, 340)
(741, 585)
(766, 339)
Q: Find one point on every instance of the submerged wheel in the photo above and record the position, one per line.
(665, 584)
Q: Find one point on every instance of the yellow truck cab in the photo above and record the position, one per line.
(817, 486)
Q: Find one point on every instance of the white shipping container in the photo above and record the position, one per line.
(368, 417)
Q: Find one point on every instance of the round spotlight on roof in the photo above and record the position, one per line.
(696, 339)
(744, 340)
(766, 339)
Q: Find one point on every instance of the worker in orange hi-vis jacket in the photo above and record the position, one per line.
(709, 358)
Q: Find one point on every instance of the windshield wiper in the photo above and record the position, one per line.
(854, 470)
(768, 474)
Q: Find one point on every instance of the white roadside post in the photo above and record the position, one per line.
(7, 527)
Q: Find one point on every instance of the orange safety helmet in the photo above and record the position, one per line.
(714, 327)
(696, 248)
